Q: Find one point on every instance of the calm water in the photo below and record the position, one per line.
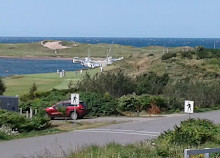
(136, 42)
(12, 66)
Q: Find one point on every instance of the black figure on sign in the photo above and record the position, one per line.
(189, 107)
(74, 98)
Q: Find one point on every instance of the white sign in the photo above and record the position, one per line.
(74, 99)
(189, 106)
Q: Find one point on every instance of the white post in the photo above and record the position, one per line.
(206, 155)
(186, 154)
(31, 113)
(75, 118)
(35, 111)
(20, 111)
(61, 74)
(26, 114)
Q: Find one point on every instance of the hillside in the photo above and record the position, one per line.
(180, 66)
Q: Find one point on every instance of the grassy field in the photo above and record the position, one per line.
(20, 84)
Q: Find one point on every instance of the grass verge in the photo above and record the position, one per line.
(59, 126)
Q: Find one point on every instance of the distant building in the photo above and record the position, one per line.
(9, 103)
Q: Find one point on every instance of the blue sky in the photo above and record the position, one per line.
(110, 18)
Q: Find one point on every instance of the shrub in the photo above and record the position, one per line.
(143, 102)
(203, 53)
(168, 56)
(151, 83)
(129, 103)
(21, 124)
(186, 55)
(44, 99)
(205, 94)
(116, 84)
(191, 132)
(99, 104)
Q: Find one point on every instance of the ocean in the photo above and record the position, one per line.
(12, 66)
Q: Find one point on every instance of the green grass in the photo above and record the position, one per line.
(20, 84)
(140, 150)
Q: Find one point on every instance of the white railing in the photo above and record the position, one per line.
(28, 114)
(206, 152)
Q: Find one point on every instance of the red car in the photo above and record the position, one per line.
(81, 110)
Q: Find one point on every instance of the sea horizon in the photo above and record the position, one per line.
(130, 41)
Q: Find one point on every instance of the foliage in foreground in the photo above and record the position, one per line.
(19, 123)
(192, 132)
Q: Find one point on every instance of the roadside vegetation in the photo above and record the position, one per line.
(12, 124)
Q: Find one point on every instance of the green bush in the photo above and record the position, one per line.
(129, 103)
(205, 94)
(168, 56)
(142, 102)
(151, 83)
(187, 55)
(116, 84)
(44, 99)
(3, 136)
(99, 104)
(203, 53)
(191, 132)
(21, 124)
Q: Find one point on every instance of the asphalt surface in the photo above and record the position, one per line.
(139, 129)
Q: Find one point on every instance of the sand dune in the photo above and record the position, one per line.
(54, 45)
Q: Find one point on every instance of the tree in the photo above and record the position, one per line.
(2, 87)
(33, 90)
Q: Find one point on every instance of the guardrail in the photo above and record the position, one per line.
(206, 152)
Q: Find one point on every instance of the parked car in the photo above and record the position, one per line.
(54, 111)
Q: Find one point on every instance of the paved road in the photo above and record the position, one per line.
(130, 132)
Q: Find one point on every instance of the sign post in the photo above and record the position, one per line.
(74, 101)
(189, 107)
